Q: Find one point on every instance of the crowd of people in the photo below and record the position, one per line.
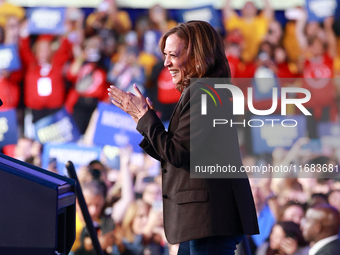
(74, 71)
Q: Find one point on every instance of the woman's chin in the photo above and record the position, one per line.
(175, 81)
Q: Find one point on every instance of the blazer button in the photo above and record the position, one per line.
(164, 170)
(165, 196)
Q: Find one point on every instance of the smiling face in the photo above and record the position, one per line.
(293, 213)
(175, 58)
(276, 237)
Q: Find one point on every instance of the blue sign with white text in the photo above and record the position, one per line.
(205, 13)
(61, 153)
(269, 132)
(318, 10)
(8, 127)
(45, 20)
(117, 128)
(59, 128)
(9, 56)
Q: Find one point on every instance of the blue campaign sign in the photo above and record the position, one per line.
(150, 42)
(59, 127)
(61, 153)
(9, 56)
(318, 10)
(115, 127)
(269, 132)
(205, 13)
(8, 127)
(44, 20)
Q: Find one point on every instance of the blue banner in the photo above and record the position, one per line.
(205, 13)
(269, 132)
(150, 42)
(61, 153)
(8, 127)
(44, 20)
(9, 56)
(59, 128)
(318, 10)
(115, 127)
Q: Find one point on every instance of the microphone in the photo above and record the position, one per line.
(1, 103)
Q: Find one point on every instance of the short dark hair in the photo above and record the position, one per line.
(96, 188)
(292, 230)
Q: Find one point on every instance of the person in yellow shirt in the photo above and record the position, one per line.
(253, 26)
(290, 42)
(7, 9)
(80, 224)
(108, 17)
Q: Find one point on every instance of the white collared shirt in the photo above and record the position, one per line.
(321, 243)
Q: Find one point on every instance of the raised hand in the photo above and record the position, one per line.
(135, 105)
(289, 245)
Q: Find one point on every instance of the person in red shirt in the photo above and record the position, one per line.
(233, 48)
(89, 80)
(316, 67)
(9, 81)
(284, 70)
(9, 91)
(44, 88)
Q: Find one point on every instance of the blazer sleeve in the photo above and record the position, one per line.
(175, 148)
(147, 147)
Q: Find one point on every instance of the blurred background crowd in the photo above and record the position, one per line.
(109, 45)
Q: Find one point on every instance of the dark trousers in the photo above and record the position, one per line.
(215, 245)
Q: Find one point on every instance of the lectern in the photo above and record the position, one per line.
(37, 210)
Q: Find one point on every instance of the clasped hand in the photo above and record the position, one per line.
(135, 105)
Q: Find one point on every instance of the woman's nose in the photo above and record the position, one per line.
(167, 62)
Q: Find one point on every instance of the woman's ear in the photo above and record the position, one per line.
(199, 69)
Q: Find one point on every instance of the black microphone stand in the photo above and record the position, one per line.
(89, 224)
